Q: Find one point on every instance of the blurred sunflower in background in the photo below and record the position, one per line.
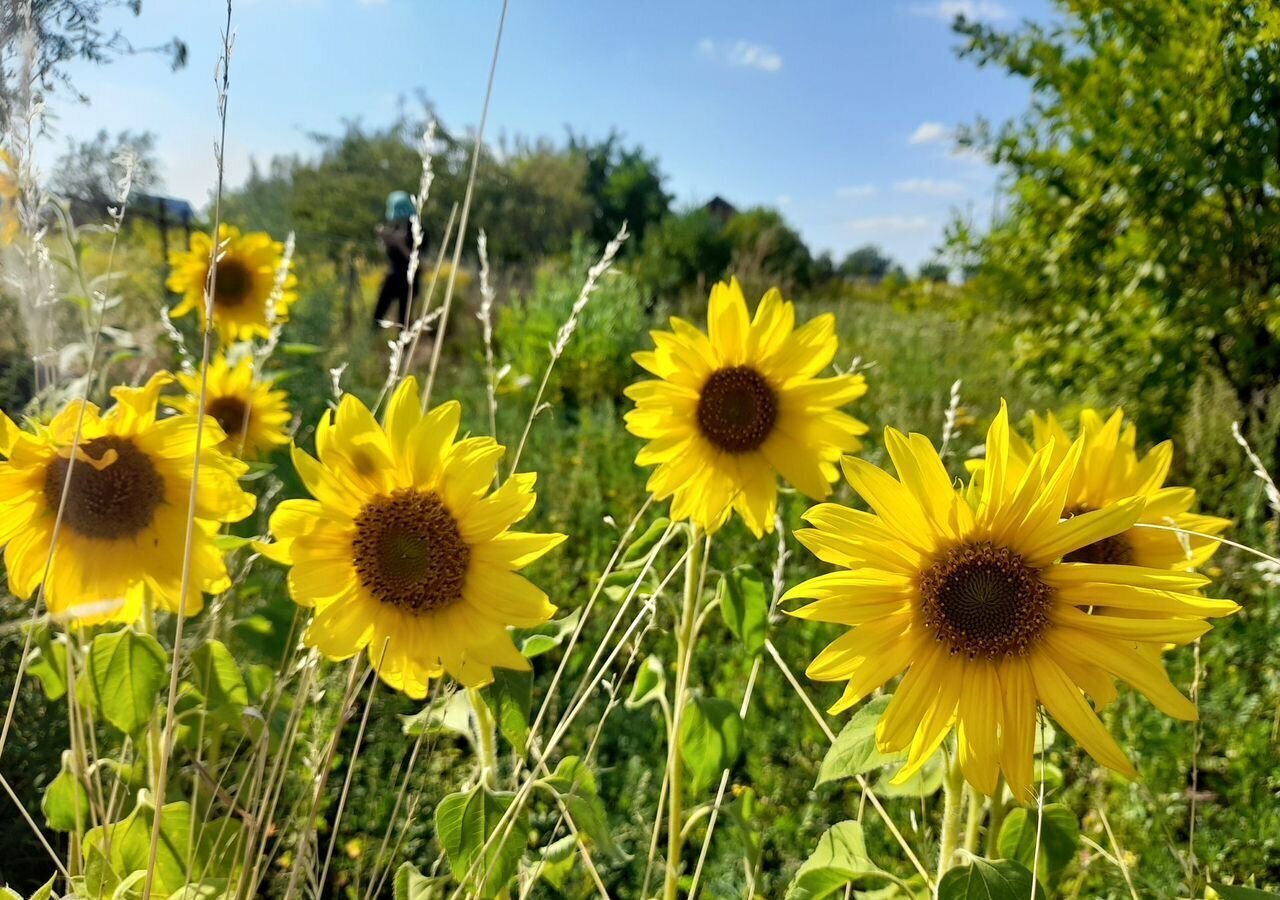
(733, 409)
(8, 194)
(972, 594)
(252, 414)
(405, 552)
(124, 519)
(1111, 470)
(244, 300)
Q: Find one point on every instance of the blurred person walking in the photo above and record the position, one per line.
(396, 235)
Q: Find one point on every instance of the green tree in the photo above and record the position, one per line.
(1141, 236)
(88, 172)
(623, 185)
(935, 270)
(684, 250)
(869, 262)
(764, 243)
(64, 30)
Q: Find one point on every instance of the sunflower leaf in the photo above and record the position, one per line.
(126, 671)
(745, 607)
(465, 822)
(983, 879)
(710, 739)
(854, 750)
(650, 684)
(1058, 838)
(65, 803)
(840, 859)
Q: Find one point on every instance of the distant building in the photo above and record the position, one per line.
(721, 209)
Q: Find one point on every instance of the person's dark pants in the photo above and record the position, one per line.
(395, 289)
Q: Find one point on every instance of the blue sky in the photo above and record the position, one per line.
(839, 113)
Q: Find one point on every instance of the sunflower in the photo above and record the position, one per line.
(244, 305)
(124, 519)
(972, 595)
(733, 410)
(8, 194)
(252, 415)
(405, 552)
(1111, 470)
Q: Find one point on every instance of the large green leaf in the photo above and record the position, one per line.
(925, 783)
(464, 823)
(745, 606)
(839, 860)
(575, 784)
(650, 683)
(217, 677)
(638, 548)
(510, 697)
(982, 879)
(65, 803)
(1059, 837)
(49, 662)
(410, 884)
(126, 670)
(854, 750)
(119, 851)
(1236, 892)
(710, 739)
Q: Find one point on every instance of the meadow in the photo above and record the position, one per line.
(284, 619)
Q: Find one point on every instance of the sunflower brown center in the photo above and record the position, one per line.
(234, 283)
(1115, 550)
(737, 409)
(409, 553)
(117, 501)
(984, 600)
(231, 413)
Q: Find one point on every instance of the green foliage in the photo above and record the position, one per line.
(118, 853)
(854, 750)
(65, 803)
(767, 250)
(686, 250)
(1140, 240)
(710, 739)
(867, 262)
(839, 860)
(126, 670)
(464, 823)
(983, 879)
(597, 361)
(1059, 835)
(622, 185)
(745, 607)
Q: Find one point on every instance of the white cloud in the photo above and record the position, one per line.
(742, 54)
(372, 2)
(891, 223)
(783, 200)
(855, 191)
(930, 186)
(947, 10)
(929, 133)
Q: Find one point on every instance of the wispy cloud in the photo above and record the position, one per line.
(741, 54)
(783, 200)
(930, 186)
(947, 10)
(855, 191)
(930, 133)
(891, 223)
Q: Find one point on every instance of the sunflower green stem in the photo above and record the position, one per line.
(675, 780)
(974, 821)
(995, 820)
(486, 739)
(952, 810)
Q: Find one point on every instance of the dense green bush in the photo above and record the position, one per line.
(597, 361)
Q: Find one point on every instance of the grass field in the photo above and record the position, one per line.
(1219, 774)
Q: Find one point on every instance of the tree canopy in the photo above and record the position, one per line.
(1141, 236)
